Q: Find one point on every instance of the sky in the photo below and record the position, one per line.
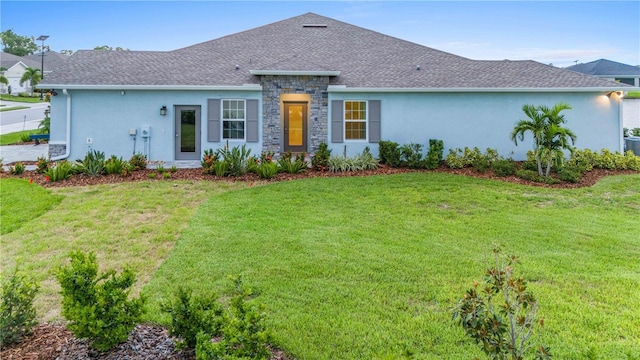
(551, 32)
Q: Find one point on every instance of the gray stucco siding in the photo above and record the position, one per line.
(484, 120)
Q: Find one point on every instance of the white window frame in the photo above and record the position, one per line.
(243, 120)
(365, 120)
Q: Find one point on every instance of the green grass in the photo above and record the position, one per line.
(364, 267)
(15, 137)
(22, 202)
(134, 223)
(633, 95)
(11, 108)
(34, 99)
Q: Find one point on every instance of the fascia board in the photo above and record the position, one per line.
(245, 87)
(344, 89)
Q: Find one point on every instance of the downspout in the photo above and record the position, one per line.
(68, 141)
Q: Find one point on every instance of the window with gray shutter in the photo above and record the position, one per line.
(374, 121)
(213, 120)
(252, 121)
(336, 121)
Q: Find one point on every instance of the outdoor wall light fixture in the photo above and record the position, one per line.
(122, 92)
(163, 111)
(618, 93)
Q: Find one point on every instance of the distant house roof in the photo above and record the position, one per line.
(8, 60)
(311, 44)
(52, 60)
(604, 67)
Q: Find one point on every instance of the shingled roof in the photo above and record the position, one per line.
(605, 67)
(306, 44)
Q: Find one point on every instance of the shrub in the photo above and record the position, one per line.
(480, 164)
(338, 164)
(583, 159)
(42, 165)
(208, 161)
(59, 171)
(193, 314)
(635, 131)
(625, 132)
(166, 175)
(244, 334)
(500, 315)
(236, 159)
(267, 169)
(434, 155)
(533, 175)
(389, 153)
(221, 168)
(570, 174)
(97, 307)
(605, 160)
(365, 160)
(45, 125)
(25, 138)
(411, 156)
(92, 164)
(17, 314)
(504, 167)
(138, 162)
(320, 160)
(114, 165)
(152, 175)
(18, 169)
(173, 169)
(455, 159)
(632, 161)
(291, 166)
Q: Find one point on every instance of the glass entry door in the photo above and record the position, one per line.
(295, 126)
(187, 132)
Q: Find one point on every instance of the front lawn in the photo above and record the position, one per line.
(29, 99)
(11, 108)
(361, 267)
(15, 137)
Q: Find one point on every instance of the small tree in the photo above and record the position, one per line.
(500, 315)
(549, 137)
(32, 75)
(3, 79)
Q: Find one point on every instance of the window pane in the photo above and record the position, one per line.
(233, 129)
(355, 130)
(187, 131)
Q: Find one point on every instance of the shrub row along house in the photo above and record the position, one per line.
(293, 84)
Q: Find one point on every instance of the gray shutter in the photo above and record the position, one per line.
(337, 124)
(374, 121)
(213, 120)
(252, 121)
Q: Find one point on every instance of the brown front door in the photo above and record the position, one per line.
(295, 126)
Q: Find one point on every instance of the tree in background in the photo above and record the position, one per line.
(3, 79)
(32, 75)
(15, 44)
(66, 52)
(109, 48)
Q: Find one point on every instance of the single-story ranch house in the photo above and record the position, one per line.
(293, 84)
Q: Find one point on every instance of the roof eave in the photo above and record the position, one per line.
(345, 89)
(244, 87)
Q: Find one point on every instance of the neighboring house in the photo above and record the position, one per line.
(15, 66)
(615, 71)
(290, 85)
(610, 70)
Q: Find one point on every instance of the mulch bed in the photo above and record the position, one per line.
(589, 179)
(54, 341)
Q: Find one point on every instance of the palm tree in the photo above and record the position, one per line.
(3, 79)
(536, 125)
(550, 138)
(32, 75)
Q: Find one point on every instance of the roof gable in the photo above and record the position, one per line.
(311, 43)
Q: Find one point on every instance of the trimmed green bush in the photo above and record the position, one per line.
(389, 153)
(98, 307)
(320, 160)
(434, 155)
(533, 175)
(411, 156)
(504, 167)
(17, 314)
(570, 174)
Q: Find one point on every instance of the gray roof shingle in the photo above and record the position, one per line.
(605, 67)
(363, 57)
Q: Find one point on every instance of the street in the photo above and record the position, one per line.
(18, 120)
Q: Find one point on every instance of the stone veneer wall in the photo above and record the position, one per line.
(57, 149)
(315, 87)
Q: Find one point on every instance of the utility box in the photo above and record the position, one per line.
(145, 131)
(633, 144)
